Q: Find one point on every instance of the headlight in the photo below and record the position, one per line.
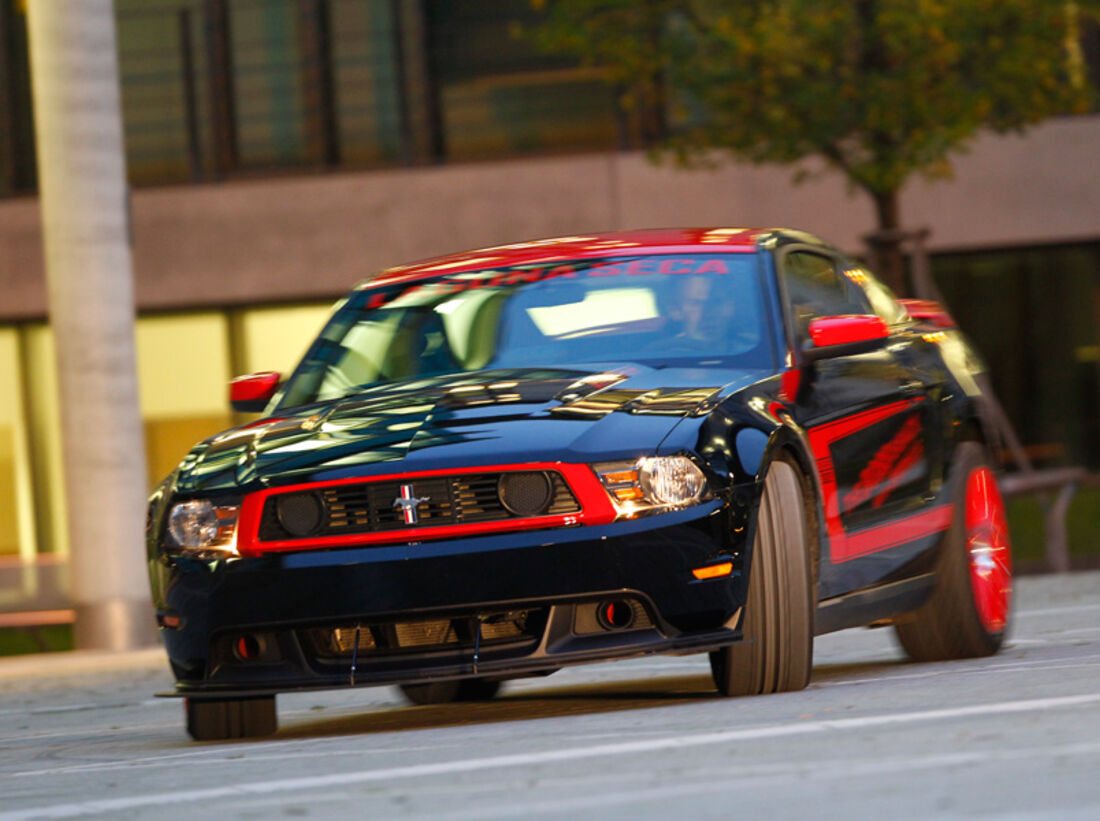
(671, 480)
(652, 484)
(200, 526)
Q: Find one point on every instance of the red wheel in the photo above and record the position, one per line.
(987, 546)
(967, 613)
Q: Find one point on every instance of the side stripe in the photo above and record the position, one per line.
(843, 544)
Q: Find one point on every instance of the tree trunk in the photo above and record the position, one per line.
(888, 262)
(652, 111)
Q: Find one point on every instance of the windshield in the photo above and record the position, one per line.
(694, 310)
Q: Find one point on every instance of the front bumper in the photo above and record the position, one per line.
(280, 602)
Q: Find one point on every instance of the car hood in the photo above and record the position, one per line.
(485, 418)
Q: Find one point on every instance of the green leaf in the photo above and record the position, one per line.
(881, 89)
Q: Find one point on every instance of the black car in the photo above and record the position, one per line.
(494, 464)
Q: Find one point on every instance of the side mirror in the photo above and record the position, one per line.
(844, 336)
(250, 394)
(926, 310)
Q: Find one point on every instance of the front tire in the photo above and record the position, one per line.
(967, 614)
(776, 653)
(221, 719)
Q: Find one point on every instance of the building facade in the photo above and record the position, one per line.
(280, 150)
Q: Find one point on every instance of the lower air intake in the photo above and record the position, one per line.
(378, 639)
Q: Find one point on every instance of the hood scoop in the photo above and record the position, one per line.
(659, 401)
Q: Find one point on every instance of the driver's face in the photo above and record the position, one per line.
(693, 301)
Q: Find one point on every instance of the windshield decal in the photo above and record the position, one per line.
(521, 276)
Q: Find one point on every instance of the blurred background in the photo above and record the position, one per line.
(280, 150)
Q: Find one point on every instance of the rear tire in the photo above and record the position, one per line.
(967, 614)
(776, 653)
(220, 719)
(446, 692)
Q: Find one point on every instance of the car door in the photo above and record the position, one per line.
(870, 421)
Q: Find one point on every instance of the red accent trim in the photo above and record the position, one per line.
(596, 509)
(888, 463)
(843, 545)
(840, 330)
(897, 475)
(408, 511)
(988, 550)
(898, 532)
(672, 242)
(789, 383)
(254, 386)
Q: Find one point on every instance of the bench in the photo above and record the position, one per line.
(1065, 481)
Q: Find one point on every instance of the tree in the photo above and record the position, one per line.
(879, 89)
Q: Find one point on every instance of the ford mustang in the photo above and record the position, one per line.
(494, 464)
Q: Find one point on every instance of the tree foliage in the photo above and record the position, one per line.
(880, 89)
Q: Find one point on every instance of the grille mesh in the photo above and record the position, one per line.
(425, 633)
(429, 635)
(344, 638)
(368, 507)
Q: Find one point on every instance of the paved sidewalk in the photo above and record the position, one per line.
(80, 663)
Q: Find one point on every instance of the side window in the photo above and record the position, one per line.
(815, 287)
(814, 281)
(883, 301)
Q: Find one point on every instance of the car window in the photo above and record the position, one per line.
(815, 288)
(692, 310)
(882, 299)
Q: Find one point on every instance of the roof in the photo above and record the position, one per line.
(533, 252)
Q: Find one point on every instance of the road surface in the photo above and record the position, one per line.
(1013, 736)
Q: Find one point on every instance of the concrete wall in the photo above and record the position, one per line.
(247, 242)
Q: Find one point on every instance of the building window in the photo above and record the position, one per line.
(498, 95)
(1034, 315)
(162, 80)
(219, 88)
(17, 157)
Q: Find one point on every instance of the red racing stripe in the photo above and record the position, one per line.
(845, 545)
(596, 509)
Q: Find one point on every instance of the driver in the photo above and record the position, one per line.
(700, 317)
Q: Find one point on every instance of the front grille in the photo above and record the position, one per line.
(369, 507)
(429, 635)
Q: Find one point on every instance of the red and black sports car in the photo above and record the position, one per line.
(493, 464)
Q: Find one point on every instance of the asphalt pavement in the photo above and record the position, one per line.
(1013, 736)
